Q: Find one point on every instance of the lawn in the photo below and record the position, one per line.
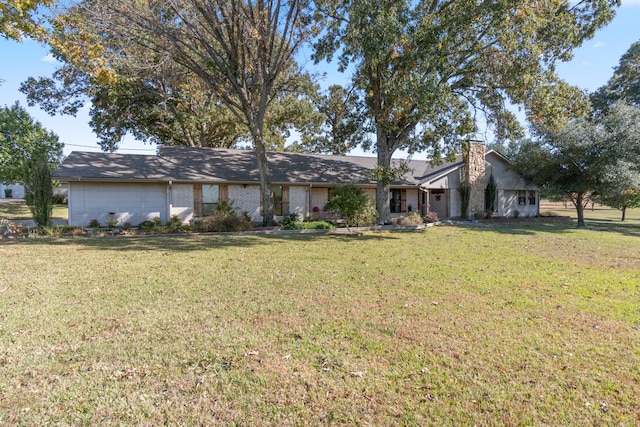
(509, 324)
(18, 210)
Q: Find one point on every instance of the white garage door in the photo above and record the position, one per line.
(126, 202)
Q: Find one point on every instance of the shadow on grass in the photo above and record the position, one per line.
(196, 242)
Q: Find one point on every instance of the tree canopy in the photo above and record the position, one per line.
(22, 138)
(242, 51)
(624, 85)
(582, 158)
(430, 69)
(149, 94)
(19, 18)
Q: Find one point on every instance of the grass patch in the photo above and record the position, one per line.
(13, 210)
(512, 324)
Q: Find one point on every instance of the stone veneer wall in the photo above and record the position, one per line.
(473, 157)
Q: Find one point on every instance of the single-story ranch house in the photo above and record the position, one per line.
(189, 182)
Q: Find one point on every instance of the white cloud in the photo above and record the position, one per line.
(599, 44)
(630, 2)
(49, 58)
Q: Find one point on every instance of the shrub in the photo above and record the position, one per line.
(353, 204)
(38, 188)
(413, 218)
(309, 225)
(465, 195)
(288, 219)
(147, 226)
(222, 221)
(175, 224)
(94, 223)
(431, 217)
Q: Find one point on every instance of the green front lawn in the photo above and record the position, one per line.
(14, 210)
(512, 324)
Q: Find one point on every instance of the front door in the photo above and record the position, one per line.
(438, 203)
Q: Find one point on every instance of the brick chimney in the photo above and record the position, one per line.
(473, 157)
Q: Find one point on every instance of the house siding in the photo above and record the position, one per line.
(299, 201)
(129, 202)
(182, 202)
(246, 198)
(319, 198)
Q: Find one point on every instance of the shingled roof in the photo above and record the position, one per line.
(189, 164)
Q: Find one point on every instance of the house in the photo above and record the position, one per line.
(189, 182)
(11, 191)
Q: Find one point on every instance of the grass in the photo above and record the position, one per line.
(18, 210)
(512, 324)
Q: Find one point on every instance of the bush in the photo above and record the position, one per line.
(286, 221)
(353, 204)
(413, 218)
(148, 226)
(175, 224)
(431, 217)
(94, 223)
(222, 221)
(309, 225)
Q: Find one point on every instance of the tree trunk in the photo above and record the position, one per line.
(383, 205)
(268, 212)
(624, 213)
(579, 204)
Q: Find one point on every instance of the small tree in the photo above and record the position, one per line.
(353, 204)
(465, 195)
(490, 195)
(38, 188)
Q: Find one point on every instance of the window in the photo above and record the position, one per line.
(522, 197)
(206, 198)
(398, 200)
(210, 198)
(532, 197)
(280, 200)
(277, 199)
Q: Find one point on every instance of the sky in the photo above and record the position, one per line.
(591, 68)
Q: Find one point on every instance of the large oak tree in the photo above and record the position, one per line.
(242, 51)
(431, 69)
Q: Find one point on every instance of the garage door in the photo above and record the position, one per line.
(124, 202)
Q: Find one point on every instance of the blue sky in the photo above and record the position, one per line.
(591, 68)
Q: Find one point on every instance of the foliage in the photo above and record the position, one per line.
(308, 225)
(19, 18)
(623, 189)
(352, 203)
(222, 221)
(428, 70)
(202, 37)
(624, 85)
(10, 228)
(22, 138)
(38, 188)
(465, 196)
(174, 224)
(412, 218)
(342, 124)
(160, 101)
(490, 195)
(431, 217)
(582, 157)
